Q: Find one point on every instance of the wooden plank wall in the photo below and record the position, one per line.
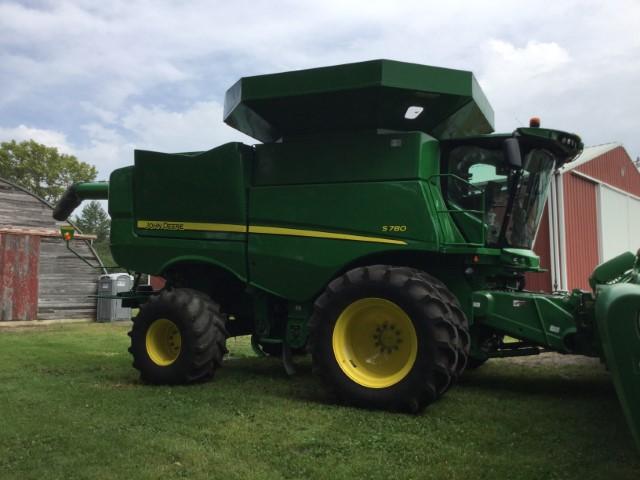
(20, 209)
(65, 282)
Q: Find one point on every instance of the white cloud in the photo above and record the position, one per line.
(199, 127)
(517, 78)
(534, 59)
(103, 115)
(50, 138)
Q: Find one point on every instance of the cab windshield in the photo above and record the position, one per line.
(509, 202)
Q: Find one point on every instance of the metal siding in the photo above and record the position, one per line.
(633, 217)
(614, 168)
(620, 226)
(541, 282)
(581, 222)
(19, 256)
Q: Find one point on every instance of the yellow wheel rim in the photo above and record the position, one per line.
(163, 342)
(375, 342)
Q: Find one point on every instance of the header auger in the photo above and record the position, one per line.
(381, 225)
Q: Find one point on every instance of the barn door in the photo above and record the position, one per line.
(619, 223)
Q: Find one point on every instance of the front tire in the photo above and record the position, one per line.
(178, 337)
(383, 337)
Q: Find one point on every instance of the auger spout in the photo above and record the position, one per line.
(78, 192)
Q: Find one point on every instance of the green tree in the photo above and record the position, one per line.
(42, 170)
(95, 220)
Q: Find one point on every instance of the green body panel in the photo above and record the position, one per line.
(362, 157)
(323, 195)
(612, 270)
(121, 199)
(214, 181)
(545, 320)
(333, 207)
(358, 96)
(618, 317)
(154, 255)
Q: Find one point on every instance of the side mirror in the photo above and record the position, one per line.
(511, 149)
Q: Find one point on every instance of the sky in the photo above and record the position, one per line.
(100, 79)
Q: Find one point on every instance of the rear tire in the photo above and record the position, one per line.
(178, 337)
(383, 337)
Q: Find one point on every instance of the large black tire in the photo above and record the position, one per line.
(178, 337)
(458, 318)
(389, 293)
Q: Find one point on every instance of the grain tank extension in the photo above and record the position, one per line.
(381, 225)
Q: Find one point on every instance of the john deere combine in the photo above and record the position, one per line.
(380, 224)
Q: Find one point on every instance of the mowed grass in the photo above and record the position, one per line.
(72, 407)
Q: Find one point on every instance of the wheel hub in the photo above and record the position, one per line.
(387, 338)
(375, 342)
(163, 342)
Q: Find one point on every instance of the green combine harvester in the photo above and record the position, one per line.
(380, 225)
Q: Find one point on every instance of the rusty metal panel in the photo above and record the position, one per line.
(541, 282)
(616, 169)
(19, 258)
(581, 224)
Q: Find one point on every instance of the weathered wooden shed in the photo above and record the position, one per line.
(39, 277)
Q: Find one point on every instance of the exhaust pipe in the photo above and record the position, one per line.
(76, 193)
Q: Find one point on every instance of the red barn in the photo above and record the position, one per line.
(592, 215)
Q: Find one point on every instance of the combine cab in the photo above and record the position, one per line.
(381, 225)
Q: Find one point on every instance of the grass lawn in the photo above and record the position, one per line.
(71, 407)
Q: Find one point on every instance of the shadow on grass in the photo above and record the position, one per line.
(549, 383)
(248, 375)
(515, 381)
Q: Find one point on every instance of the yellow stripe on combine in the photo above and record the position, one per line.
(259, 229)
(317, 234)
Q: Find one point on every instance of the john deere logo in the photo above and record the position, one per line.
(164, 226)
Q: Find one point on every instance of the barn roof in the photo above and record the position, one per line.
(608, 164)
(590, 153)
(79, 236)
